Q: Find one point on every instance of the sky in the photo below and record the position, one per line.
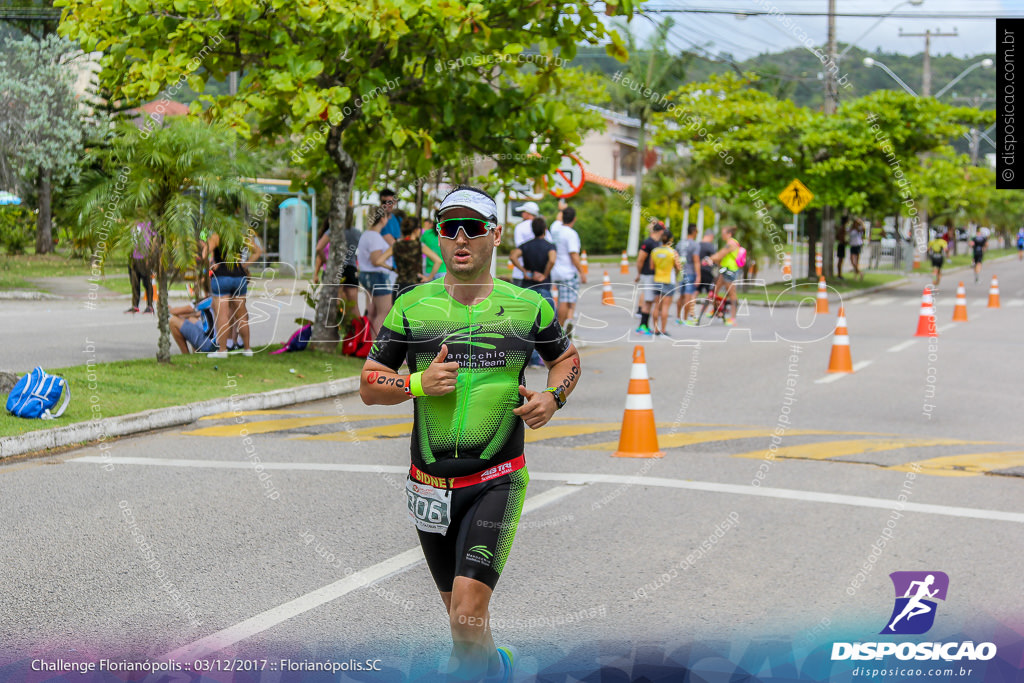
(757, 34)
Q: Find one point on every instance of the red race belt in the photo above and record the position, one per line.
(501, 470)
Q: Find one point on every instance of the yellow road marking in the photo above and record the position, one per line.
(550, 431)
(824, 450)
(364, 434)
(264, 426)
(970, 465)
(221, 416)
(705, 436)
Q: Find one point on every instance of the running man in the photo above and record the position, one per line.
(914, 606)
(728, 271)
(467, 339)
(937, 250)
(1020, 244)
(979, 245)
(645, 273)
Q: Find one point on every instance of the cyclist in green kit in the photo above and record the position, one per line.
(467, 339)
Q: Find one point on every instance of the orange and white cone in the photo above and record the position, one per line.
(817, 264)
(607, 298)
(156, 289)
(840, 360)
(639, 436)
(624, 264)
(821, 305)
(926, 323)
(917, 259)
(993, 293)
(960, 310)
(787, 267)
(583, 263)
(511, 266)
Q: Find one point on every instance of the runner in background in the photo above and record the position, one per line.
(729, 270)
(979, 245)
(937, 250)
(645, 273)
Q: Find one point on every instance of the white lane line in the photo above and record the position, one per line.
(882, 301)
(903, 345)
(911, 302)
(857, 367)
(577, 477)
(272, 617)
(947, 326)
(981, 303)
(1015, 302)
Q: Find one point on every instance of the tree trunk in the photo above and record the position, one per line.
(44, 224)
(163, 313)
(325, 324)
(812, 226)
(828, 233)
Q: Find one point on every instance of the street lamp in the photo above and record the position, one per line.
(986, 63)
(869, 62)
(915, 3)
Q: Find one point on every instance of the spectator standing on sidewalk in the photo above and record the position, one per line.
(645, 273)
(140, 266)
(375, 269)
(568, 271)
(229, 283)
(689, 254)
(523, 232)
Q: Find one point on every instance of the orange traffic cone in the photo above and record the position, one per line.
(583, 263)
(993, 293)
(511, 266)
(926, 323)
(639, 437)
(607, 298)
(156, 289)
(624, 264)
(787, 267)
(960, 310)
(917, 259)
(817, 264)
(821, 305)
(840, 360)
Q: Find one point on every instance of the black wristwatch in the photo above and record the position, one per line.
(559, 394)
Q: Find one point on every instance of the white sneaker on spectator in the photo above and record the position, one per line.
(217, 354)
(247, 353)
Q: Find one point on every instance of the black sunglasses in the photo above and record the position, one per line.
(473, 227)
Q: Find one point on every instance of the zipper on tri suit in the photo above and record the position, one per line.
(469, 376)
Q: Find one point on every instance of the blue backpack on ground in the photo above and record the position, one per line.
(37, 393)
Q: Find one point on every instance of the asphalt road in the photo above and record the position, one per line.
(640, 565)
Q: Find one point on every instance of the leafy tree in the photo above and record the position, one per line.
(346, 82)
(159, 174)
(42, 128)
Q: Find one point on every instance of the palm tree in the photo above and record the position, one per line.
(162, 175)
(659, 72)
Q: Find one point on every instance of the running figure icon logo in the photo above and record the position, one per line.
(914, 611)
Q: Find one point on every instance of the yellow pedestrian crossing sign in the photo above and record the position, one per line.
(796, 196)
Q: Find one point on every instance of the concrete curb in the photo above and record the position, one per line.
(161, 418)
(26, 295)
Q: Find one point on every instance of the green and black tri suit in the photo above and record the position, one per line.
(472, 428)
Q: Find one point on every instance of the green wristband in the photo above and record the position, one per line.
(416, 384)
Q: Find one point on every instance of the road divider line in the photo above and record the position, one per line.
(578, 477)
(263, 621)
(947, 326)
(825, 450)
(838, 376)
(967, 465)
(882, 301)
(903, 345)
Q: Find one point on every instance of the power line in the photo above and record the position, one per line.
(871, 15)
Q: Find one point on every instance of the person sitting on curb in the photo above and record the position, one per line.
(194, 325)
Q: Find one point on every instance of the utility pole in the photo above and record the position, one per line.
(926, 77)
(831, 97)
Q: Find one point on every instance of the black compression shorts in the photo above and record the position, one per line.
(484, 520)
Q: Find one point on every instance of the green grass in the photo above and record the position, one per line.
(134, 386)
(801, 288)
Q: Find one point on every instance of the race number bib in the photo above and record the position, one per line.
(429, 507)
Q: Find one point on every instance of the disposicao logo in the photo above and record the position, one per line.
(913, 614)
(914, 611)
